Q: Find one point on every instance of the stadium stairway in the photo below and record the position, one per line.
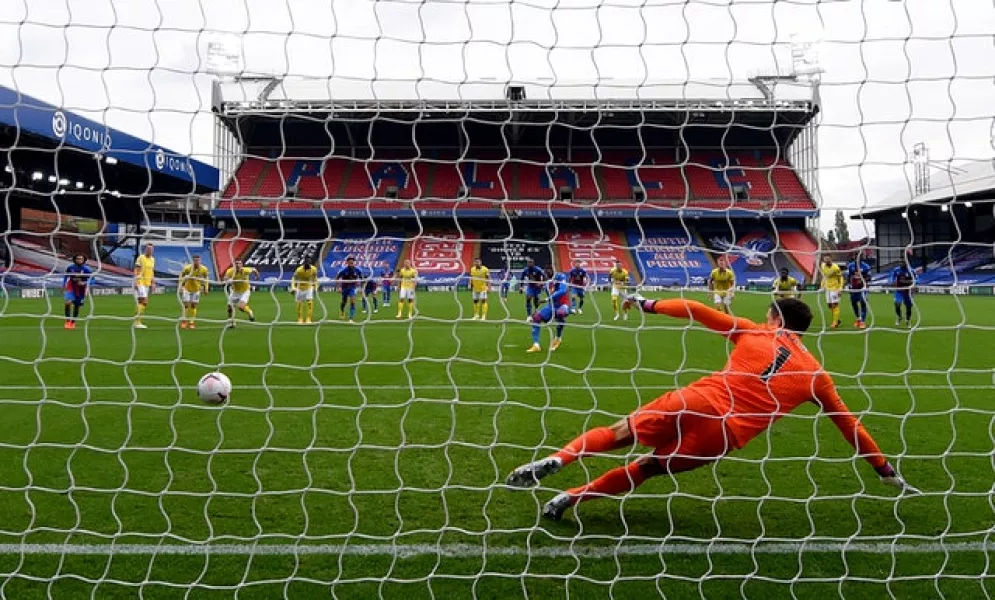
(802, 249)
(228, 247)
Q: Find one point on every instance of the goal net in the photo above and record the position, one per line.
(376, 413)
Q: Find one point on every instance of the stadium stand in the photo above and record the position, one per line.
(597, 252)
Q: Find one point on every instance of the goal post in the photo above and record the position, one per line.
(367, 452)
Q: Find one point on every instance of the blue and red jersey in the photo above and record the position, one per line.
(578, 277)
(77, 279)
(534, 275)
(349, 278)
(559, 293)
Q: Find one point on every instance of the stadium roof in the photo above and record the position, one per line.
(62, 128)
(975, 181)
(255, 95)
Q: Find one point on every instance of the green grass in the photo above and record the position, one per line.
(399, 432)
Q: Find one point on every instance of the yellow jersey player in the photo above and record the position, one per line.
(479, 284)
(619, 278)
(722, 284)
(785, 285)
(302, 285)
(144, 283)
(832, 283)
(193, 280)
(237, 277)
(408, 276)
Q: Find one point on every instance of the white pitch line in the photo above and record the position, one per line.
(476, 550)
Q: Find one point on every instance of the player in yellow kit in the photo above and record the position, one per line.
(408, 276)
(619, 279)
(479, 285)
(722, 284)
(144, 283)
(302, 285)
(237, 277)
(832, 283)
(785, 285)
(193, 280)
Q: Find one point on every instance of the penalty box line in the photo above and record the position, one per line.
(476, 550)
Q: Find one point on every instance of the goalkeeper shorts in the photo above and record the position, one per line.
(684, 428)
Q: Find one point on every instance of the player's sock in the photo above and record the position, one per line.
(535, 334)
(836, 314)
(411, 308)
(67, 310)
(559, 329)
(141, 313)
(615, 305)
(352, 310)
(855, 305)
(599, 439)
(908, 312)
(863, 311)
(581, 305)
(193, 314)
(617, 481)
(300, 311)
(898, 310)
(483, 309)
(310, 310)
(376, 307)
(476, 309)
(75, 312)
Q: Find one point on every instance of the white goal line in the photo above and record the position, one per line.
(477, 550)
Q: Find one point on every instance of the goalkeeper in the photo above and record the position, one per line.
(768, 374)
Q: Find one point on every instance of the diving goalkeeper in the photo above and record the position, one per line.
(769, 373)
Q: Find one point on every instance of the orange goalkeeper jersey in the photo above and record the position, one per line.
(769, 373)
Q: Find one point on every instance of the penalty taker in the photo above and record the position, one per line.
(768, 374)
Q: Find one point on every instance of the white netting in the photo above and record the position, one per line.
(369, 458)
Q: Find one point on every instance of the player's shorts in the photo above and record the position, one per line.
(722, 298)
(238, 298)
(684, 428)
(903, 296)
(616, 292)
(546, 313)
(370, 291)
(479, 296)
(304, 295)
(578, 291)
(532, 292)
(349, 293)
(407, 294)
(832, 296)
(72, 298)
(190, 297)
(142, 292)
(858, 295)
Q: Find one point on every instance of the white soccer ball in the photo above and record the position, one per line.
(214, 388)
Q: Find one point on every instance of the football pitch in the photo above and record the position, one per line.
(366, 460)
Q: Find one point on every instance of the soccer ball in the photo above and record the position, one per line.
(214, 388)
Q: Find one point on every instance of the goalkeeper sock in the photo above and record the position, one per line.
(617, 481)
(599, 439)
(310, 309)
(483, 309)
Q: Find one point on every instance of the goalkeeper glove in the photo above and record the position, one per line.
(636, 299)
(890, 477)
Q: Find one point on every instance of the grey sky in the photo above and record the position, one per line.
(896, 73)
